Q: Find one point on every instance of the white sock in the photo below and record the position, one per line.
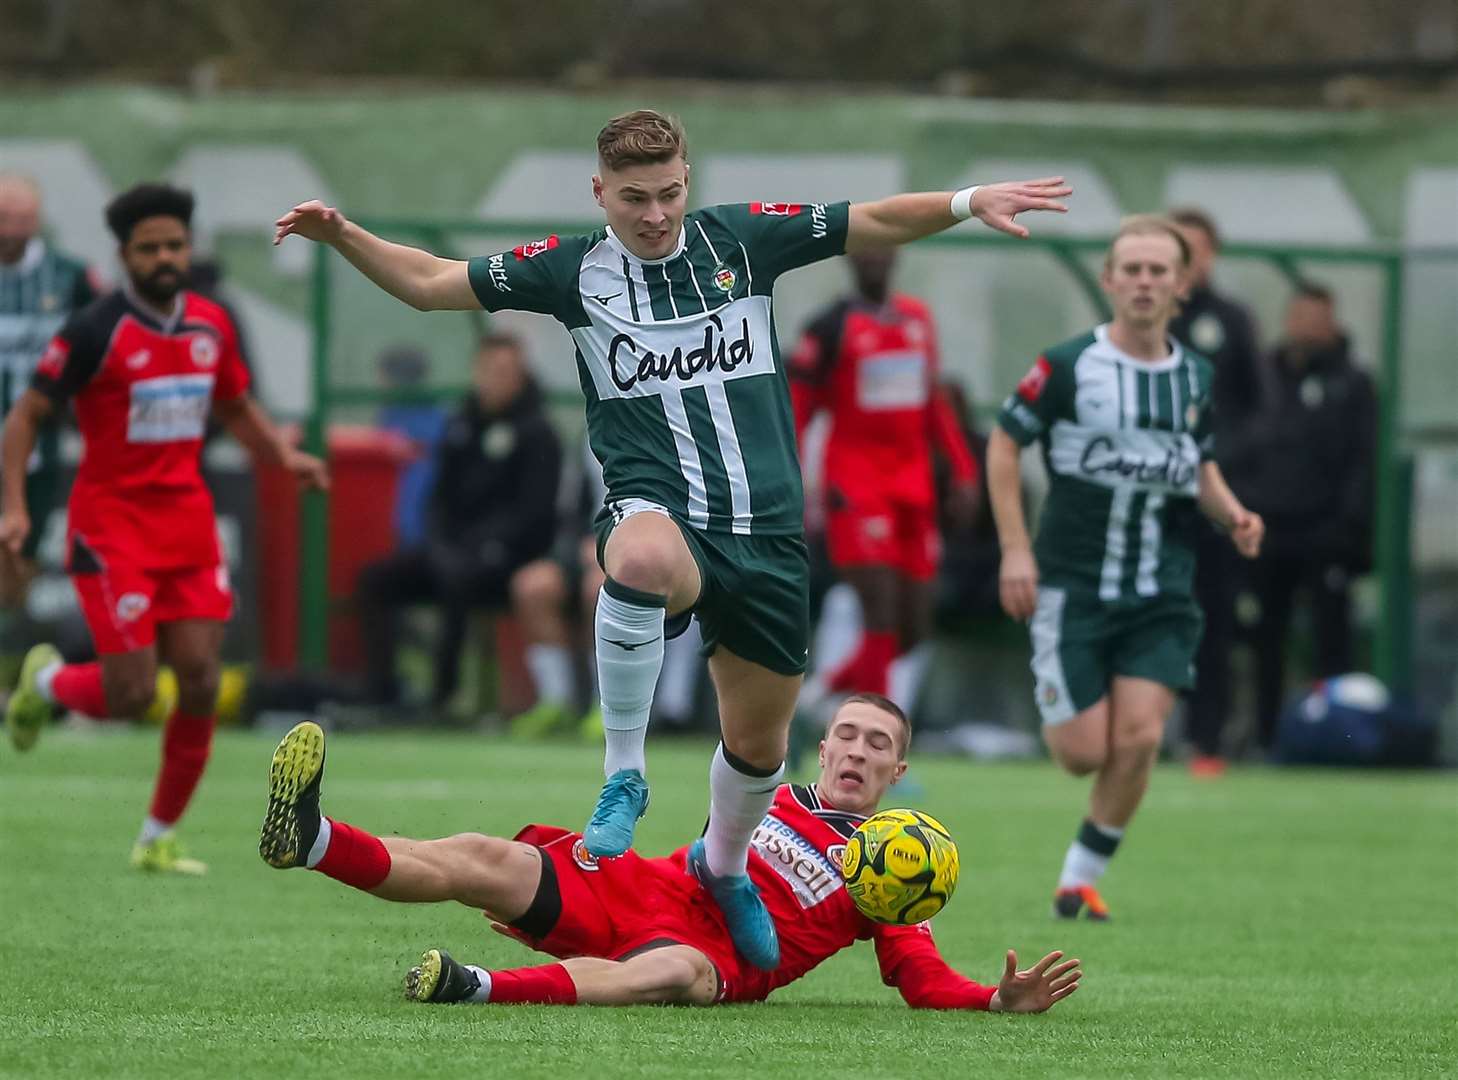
(321, 843)
(45, 677)
(483, 993)
(151, 829)
(629, 657)
(551, 671)
(839, 630)
(1084, 866)
(737, 804)
(904, 679)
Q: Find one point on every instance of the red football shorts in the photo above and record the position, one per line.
(614, 908)
(883, 532)
(123, 604)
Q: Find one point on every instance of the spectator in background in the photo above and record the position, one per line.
(1223, 331)
(492, 510)
(403, 370)
(1315, 490)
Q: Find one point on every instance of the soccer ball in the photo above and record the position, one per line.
(900, 867)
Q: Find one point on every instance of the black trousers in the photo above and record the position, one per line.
(410, 577)
(1219, 576)
(1279, 577)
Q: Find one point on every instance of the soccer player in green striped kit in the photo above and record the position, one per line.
(1123, 416)
(688, 409)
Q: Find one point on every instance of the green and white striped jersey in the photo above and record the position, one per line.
(36, 294)
(688, 406)
(1123, 440)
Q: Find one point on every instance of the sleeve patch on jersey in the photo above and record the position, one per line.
(536, 247)
(53, 360)
(775, 209)
(1031, 387)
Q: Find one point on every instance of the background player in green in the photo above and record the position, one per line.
(688, 409)
(39, 288)
(1123, 414)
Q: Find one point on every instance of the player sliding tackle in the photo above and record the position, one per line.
(642, 931)
(689, 412)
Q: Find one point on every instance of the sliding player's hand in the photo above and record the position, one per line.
(1247, 530)
(1037, 989)
(312, 220)
(312, 472)
(997, 205)
(14, 528)
(1017, 583)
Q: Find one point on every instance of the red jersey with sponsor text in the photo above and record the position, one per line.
(874, 367)
(143, 389)
(795, 859)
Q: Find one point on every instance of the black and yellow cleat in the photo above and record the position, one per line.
(291, 823)
(439, 980)
(27, 712)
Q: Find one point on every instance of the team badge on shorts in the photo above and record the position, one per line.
(1050, 694)
(584, 858)
(131, 606)
(724, 278)
(1192, 416)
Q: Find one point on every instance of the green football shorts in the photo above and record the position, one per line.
(755, 600)
(1080, 643)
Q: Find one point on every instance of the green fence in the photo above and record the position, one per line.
(366, 315)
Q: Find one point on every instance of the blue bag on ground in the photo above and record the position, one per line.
(1353, 720)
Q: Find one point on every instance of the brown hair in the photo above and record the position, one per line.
(641, 137)
(885, 704)
(1148, 225)
(1192, 217)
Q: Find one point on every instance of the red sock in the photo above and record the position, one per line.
(549, 984)
(869, 665)
(186, 743)
(78, 688)
(354, 857)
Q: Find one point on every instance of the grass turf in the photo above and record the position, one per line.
(1267, 924)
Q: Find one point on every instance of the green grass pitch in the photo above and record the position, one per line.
(1268, 924)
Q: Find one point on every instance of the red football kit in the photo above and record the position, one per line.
(141, 539)
(614, 908)
(874, 367)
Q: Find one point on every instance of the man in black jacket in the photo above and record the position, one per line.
(1315, 490)
(492, 511)
(1223, 331)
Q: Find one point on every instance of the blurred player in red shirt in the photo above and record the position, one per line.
(631, 930)
(144, 368)
(871, 361)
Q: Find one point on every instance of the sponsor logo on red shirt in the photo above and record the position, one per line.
(775, 209)
(54, 358)
(1031, 388)
(536, 247)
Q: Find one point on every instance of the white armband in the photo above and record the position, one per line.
(962, 202)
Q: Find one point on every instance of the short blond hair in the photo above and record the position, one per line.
(1149, 225)
(641, 137)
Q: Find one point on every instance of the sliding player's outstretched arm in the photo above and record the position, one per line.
(910, 961)
(900, 219)
(424, 281)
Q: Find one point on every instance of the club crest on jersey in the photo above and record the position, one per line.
(724, 278)
(1030, 389)
(836, 855)
(204, 350)
(535, 248)
(775, 209)
(131, 606)
(584, 858)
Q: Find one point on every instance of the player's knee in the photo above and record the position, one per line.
(128, 696)
(679, 977)
(649, 566)
(1139, 736)
(538, 586)
(1080, 760)
(197, 685)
